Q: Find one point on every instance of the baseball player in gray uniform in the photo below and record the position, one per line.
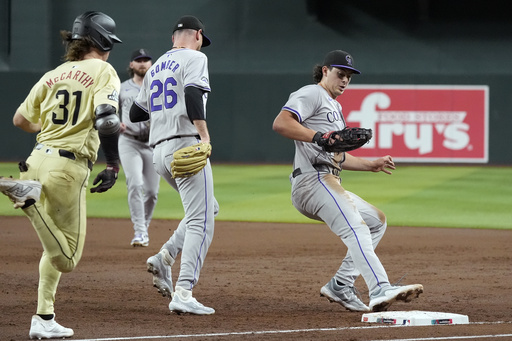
(135, 153)
(173, 95)
(317, 193)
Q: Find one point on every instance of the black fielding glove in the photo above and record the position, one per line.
(343, 140)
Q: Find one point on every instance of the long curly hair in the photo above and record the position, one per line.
(75, 49)
(318, 74)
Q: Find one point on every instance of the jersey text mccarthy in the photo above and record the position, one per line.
(77, 75)
(165, 65)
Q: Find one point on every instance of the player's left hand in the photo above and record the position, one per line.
(343, 140)
(107, 177)
(190, 160)
(384, 164)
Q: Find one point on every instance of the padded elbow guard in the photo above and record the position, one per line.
(107, 121)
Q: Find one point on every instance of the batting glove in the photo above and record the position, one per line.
(107, 177)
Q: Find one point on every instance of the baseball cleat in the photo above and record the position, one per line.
(160, 266)
(343, 294)
(183, 302)
(20, 191)
(47, 329)
(381, 299)
(140, 240)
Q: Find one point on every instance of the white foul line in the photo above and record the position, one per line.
(262, 332)
(493, 336)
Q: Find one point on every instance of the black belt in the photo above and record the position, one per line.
(176, 137)
(72, 156)
(320, 168)
(138, 138)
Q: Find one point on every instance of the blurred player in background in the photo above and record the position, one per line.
(72, 108)
(142, 181)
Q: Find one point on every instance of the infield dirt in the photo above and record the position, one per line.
(261, 279)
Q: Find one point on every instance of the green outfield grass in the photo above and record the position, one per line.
(438, 196)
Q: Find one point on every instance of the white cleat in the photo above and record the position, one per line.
(382, 299)
(183, 302)
(20, 191)
(160, 266)
(140, 240)
(48, 329)
(343, 294)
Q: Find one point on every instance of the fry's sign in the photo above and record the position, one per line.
(418, 123)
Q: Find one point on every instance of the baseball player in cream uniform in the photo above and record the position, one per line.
(136, 154)
(317, 193)
(173, 95)
(73, 109)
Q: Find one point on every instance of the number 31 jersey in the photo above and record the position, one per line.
(162, 94)
(65, 98)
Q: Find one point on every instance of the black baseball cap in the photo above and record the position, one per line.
(141, 53)
(191, 22)
(341, 59)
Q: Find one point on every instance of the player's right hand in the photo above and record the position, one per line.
(107, 177)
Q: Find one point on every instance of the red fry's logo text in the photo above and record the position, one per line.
(421, 123)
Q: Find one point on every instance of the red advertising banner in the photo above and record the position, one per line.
(421, 123)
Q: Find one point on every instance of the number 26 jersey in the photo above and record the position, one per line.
(162, 94)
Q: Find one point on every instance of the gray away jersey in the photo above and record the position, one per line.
(316, 110)
(162, 94)
(130, 90)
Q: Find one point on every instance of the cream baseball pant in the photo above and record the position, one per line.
(59, 217)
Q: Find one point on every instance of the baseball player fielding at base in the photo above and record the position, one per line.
(313, 118)
(136, 154)
(73, 107)
(173, 95)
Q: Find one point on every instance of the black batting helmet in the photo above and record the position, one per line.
(97, 26)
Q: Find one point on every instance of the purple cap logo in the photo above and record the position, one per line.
(349, 59)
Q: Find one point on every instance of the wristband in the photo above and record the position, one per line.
(317, 137)
(114, 168)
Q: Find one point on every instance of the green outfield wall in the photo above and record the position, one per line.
(263, 50)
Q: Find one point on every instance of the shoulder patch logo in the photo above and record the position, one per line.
(114, 96)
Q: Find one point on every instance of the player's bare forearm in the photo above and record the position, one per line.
(384, 164)
(356, 163)
(21, 122)
(286, 124)
(202, 130)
